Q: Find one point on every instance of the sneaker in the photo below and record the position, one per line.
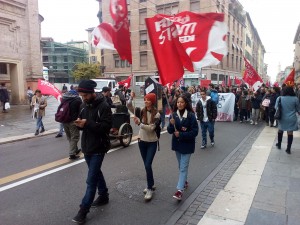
(42, 130)
(212, 143)
(255, 123)
(203, 146)
(251, 123)
(145, 190)
(178, 195)
(101, 200)
(241, 121)
(186, 185)
(81, 216)
(148, 195)
(36, 132)
(78, 151)
(73, 157)
(58, 135)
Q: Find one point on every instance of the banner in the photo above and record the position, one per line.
(251, 77)
(49, 89)
(205, 83)
(225, 106)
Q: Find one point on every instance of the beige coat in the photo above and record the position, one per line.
(42, 103)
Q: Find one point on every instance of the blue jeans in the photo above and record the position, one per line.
(61, 129)
(183, 164)
(148, 150)
(39, 123)
(94, 180)
(209, 125)
(163, 116)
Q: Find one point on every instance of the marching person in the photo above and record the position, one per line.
(147, 139)
(184, 128)
(95, 121)
(207, 112)
(39, 104)
(288, 122)
(29, 95)
(3, 96)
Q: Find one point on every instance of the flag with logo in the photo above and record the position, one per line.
(117, 36)
(290, 79)
(237, 81)
(186, 40)
(251, 77)
(49, 89)
(126, 83)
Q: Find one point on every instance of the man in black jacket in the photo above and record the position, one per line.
(95, 120)
(207, 112)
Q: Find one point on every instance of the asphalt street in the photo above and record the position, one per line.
(33, 193)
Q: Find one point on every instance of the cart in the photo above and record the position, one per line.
(121, 129)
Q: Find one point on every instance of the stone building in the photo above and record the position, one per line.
(296, 63)
(20, 55)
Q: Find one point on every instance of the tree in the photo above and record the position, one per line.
(86, 71)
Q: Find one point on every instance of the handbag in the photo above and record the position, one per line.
(7, 105)
(266, 102)
(278, 112)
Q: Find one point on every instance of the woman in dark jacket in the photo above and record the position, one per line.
(184, 127)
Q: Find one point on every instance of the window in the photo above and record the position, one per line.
(54, 58)
(248, 41)
(143, 15)
(227, 60)
(3, 68)
(45, 59)
(66, 68)
(168, 9)
(65, 58)
(143, 0)
(143, 37)
(143, 59)
(195, 6)
(122, 63)
(117, 61)
(92, 49)
(236, 62)
(214, 76)
(127, 64)
(93, 59)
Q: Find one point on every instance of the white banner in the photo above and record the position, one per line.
(225, 106)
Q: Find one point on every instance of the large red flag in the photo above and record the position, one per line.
(126, 83)
(189, 40)
(49, 89)
(290, 79)
(117, 36)
(251, 77)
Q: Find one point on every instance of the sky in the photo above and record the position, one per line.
(275, 20)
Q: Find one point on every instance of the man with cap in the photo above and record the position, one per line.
(95, 121)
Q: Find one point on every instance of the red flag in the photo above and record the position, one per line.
(251, 76)
(229, 82)
(117, 36)
(276, 84)
(290, 79)
(268, 83)
(237, 81)
(126, 83)
(205, 83)
(187, 40)
(49, 89)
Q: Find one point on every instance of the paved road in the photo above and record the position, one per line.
(54, 198)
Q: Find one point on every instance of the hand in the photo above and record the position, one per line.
(136, 120)
(172, 121)
(80, 122)
(176, 133)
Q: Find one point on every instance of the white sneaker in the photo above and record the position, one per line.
(148, 195)
(251, 123)
(255, 123)
(145, 190)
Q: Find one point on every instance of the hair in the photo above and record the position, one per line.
(245, 92)
(288, 91)
(37, 91)
(276, 89)
(211, 85)
(188, 106)
(153, 112)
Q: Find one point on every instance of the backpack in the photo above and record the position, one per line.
(63, 112)
(214, 97)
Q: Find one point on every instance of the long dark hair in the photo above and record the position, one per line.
(288, 91)
(188, 106)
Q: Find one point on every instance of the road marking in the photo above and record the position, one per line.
(45, 167)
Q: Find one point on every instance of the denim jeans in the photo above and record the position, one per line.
(95, 179)
(209, 125)
(183, 164)
(39, 123)
(163, 116)
(148, 150)
(61, 129)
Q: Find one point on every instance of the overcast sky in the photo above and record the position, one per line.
(275, 20)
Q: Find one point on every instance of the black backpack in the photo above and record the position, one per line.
(63, 114)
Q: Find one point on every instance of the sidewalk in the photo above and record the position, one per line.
(264, 190)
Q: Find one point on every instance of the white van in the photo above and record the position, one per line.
(106, 82)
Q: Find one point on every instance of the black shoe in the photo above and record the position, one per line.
(278, 146)
(58, 135)
(74, 157)
(78, 151)
(81, 216)
(36, 132)
(288, 151)
(101, 200)
(42, 130)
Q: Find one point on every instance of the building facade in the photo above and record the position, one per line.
(143, 61)
(20, 55)
(296, 63)
(61, 59)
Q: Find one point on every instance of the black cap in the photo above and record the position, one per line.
(105, 89)
(87, 86)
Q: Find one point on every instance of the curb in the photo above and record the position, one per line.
(26, 136)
